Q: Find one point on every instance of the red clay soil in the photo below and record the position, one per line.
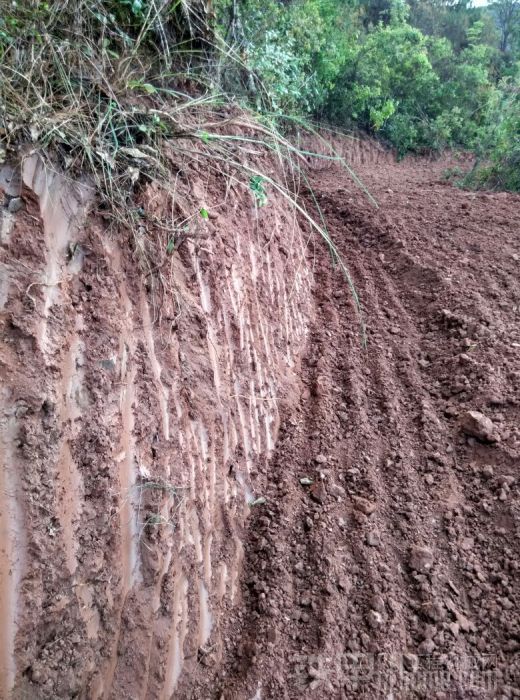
(382, 556)
(385, 562)
(138, 385)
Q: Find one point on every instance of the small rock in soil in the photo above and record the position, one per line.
(429, 631)
(378, 603)
(375, 619)
(317, 492)
(467, 544)
(421, 559)
(434, 611)
(372, 539)
(479, 426)
(464, 623)
(410, 662)
(15, 204)
(426, 647)
(365, 506)
(337, 491)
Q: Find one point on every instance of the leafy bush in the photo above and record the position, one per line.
(296, 52)
(364, 65)
(423, 76)
(388, 86)
(283, 73)
(499, 152)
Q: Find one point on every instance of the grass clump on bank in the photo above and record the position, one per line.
(112, 90)
(92, 83)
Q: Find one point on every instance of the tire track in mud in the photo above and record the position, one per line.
(408, 517)
(337, 600)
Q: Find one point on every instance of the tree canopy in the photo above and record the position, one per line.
(421, 74)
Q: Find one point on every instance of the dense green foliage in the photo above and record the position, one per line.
(423, 75)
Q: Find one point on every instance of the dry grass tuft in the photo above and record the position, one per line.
(110, 89)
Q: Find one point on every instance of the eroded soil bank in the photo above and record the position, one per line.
(143, 379)
(145, 406)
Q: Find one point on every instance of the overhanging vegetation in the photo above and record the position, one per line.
(102, 83)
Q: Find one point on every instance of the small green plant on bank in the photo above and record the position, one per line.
(256, 185)
(157, 504)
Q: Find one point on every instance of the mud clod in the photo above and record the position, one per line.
(479, 426)
(421, 559)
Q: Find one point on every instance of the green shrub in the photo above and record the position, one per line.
(388, 85)
(499, 153)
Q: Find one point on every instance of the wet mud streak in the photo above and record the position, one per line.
(12, 547)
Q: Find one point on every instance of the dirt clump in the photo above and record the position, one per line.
(479, 426)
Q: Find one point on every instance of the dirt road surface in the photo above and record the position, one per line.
(385, 562)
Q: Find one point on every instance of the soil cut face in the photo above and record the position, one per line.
(143, 376)
(219, 481)
(385, 563)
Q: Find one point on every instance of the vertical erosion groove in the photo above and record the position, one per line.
(12, 547)
(152, 414)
